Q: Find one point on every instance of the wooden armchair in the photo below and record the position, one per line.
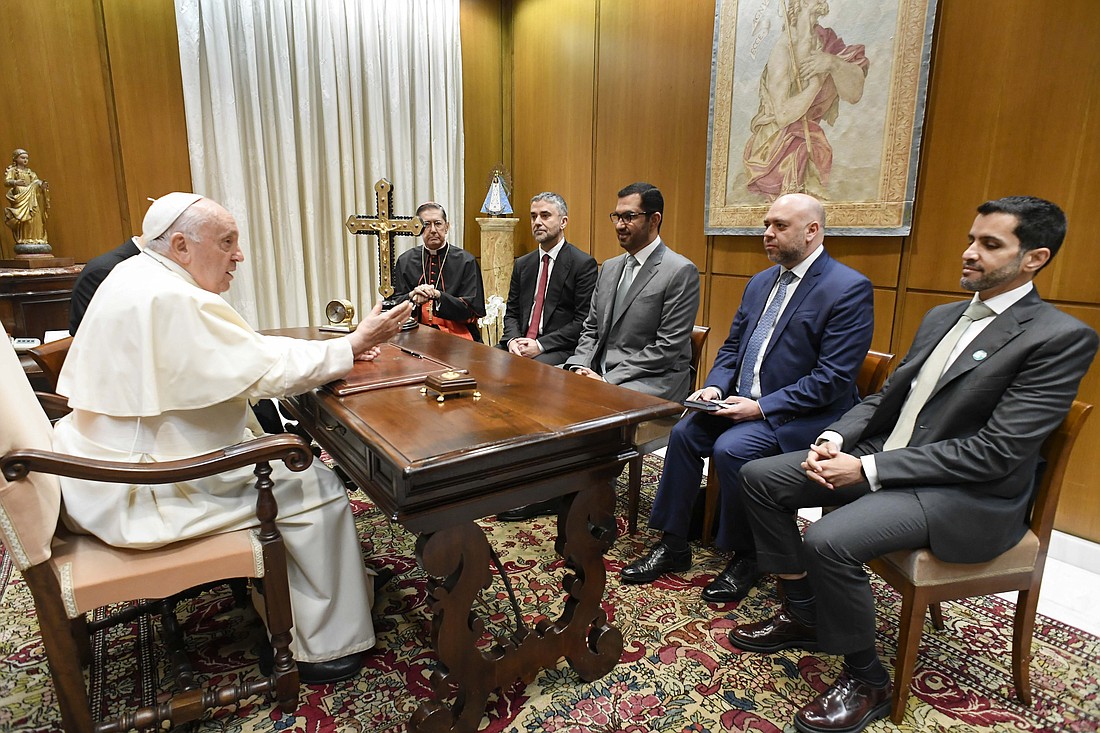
(871, 377)
(653, 434)
(50, 357)
(69, 575)
(924, 581)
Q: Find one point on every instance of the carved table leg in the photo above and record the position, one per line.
(456, 560)
(591, 645)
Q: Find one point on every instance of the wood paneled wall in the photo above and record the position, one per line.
(92, 91)
(585, 96)
(487, 103)
(606, 93)
(143, 53)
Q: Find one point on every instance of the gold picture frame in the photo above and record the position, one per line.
(789, 111)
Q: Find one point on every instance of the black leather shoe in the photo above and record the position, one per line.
(384, 576)
(334, 670)
(548, 508)
(849, 706)
(781, 631)
(733, 583)
(660, 560)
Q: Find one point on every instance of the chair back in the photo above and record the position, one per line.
(1056, 452)
(29, 507)
(698, 341)
(872, 373)
(50, 357)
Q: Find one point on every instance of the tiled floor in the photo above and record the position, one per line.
(1071, 583)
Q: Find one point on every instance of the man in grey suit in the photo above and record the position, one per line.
(944, 457)
(550, 290)
(638, 330)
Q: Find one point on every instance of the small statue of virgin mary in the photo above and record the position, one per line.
(496, 200)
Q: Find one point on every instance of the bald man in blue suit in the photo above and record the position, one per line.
(787, 369)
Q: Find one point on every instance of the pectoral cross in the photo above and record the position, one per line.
(385, 227)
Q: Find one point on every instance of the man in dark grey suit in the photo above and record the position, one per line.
(638, 330)
(550, 290)
(945, 457)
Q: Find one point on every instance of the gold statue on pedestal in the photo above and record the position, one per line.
(29, 199)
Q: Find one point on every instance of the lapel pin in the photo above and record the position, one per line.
(980, 354)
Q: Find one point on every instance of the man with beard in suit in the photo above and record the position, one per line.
(550, 289)
(787, 369)
(944, 457)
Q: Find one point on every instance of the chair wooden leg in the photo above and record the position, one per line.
(937, 615)
(633, 492)
(239, 588)
(179, 665)
(79, 628)
(910, 625)
(277, 611)
(1022, 628)
(710, 507)
(62, 653)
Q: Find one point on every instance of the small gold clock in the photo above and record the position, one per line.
(340, 315)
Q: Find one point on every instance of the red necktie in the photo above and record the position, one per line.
(540, 295)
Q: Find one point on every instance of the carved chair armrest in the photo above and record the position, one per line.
(290, 449)
(54, 405)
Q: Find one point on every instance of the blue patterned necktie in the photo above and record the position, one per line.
(760, 335)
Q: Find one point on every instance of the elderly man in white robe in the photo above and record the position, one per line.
(163, 368)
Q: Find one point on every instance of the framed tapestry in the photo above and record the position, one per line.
(825, 98)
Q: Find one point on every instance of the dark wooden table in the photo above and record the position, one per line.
(536, 432)
(33, 301)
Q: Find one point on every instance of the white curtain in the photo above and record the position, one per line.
(294, 109)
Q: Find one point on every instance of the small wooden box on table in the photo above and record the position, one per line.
(537, 432)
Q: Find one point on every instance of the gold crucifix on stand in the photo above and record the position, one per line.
(385, 226)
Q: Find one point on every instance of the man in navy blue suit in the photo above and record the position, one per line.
(787, 369)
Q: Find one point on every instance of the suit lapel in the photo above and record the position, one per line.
(992, 339)
(902, 379)
(614, 270)
(558, 277)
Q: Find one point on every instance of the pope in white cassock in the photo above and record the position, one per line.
(163, 368)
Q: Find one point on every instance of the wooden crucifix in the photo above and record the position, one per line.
(385, 226)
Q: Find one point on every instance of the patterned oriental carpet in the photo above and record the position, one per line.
(678, 672)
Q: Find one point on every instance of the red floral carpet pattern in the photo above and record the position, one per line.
(678, 672)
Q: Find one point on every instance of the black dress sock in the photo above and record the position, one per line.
(800, 600)
(865, 666)
(674, 542)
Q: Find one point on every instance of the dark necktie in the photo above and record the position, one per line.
(760, 335)
(930, 373)
(540, 296)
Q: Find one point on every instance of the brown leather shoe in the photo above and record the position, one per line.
(849, 706)
(781, 631)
